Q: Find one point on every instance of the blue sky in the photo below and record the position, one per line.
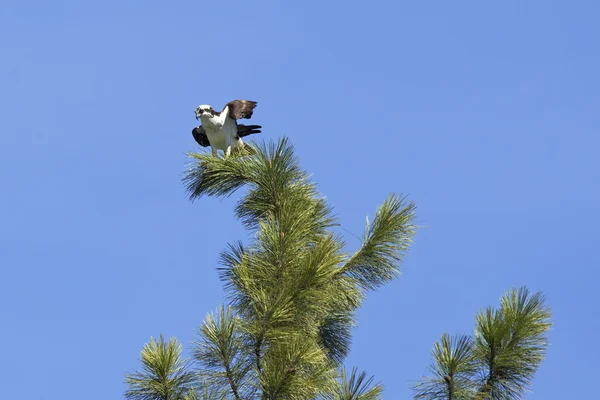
(486, 115)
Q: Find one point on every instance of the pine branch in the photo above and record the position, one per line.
(165, 375)
(385, 242)
(305, 294)
(511, 343)
(274, 177)
(356, 387)
(452, 368)
(335, 334)
(296, 368)
(213, 176)
(220, 352)
(207, 394)
(501, 360)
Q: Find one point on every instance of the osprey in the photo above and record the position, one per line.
(220, 130)
(200, 137)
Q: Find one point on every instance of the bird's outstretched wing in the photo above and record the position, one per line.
(245, 130)
(200, 136)
(239, 109)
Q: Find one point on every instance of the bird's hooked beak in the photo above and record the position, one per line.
(198, 114)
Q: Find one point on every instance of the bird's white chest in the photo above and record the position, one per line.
(219, 134)
(211, 124)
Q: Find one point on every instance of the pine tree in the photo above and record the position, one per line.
(499, 361)
(292, 291)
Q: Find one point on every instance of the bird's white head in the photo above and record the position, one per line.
(204, 109)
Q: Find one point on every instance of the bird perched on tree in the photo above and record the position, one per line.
(200, 137)
(220, 129)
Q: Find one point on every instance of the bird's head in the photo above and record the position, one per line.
(204, 109)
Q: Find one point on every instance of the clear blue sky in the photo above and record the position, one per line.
(486, 115)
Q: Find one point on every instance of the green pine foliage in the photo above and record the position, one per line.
(499, 361)
(356, 387)
(165, 375)
(292, 291)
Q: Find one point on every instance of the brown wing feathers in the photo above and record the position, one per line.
(239, 109)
